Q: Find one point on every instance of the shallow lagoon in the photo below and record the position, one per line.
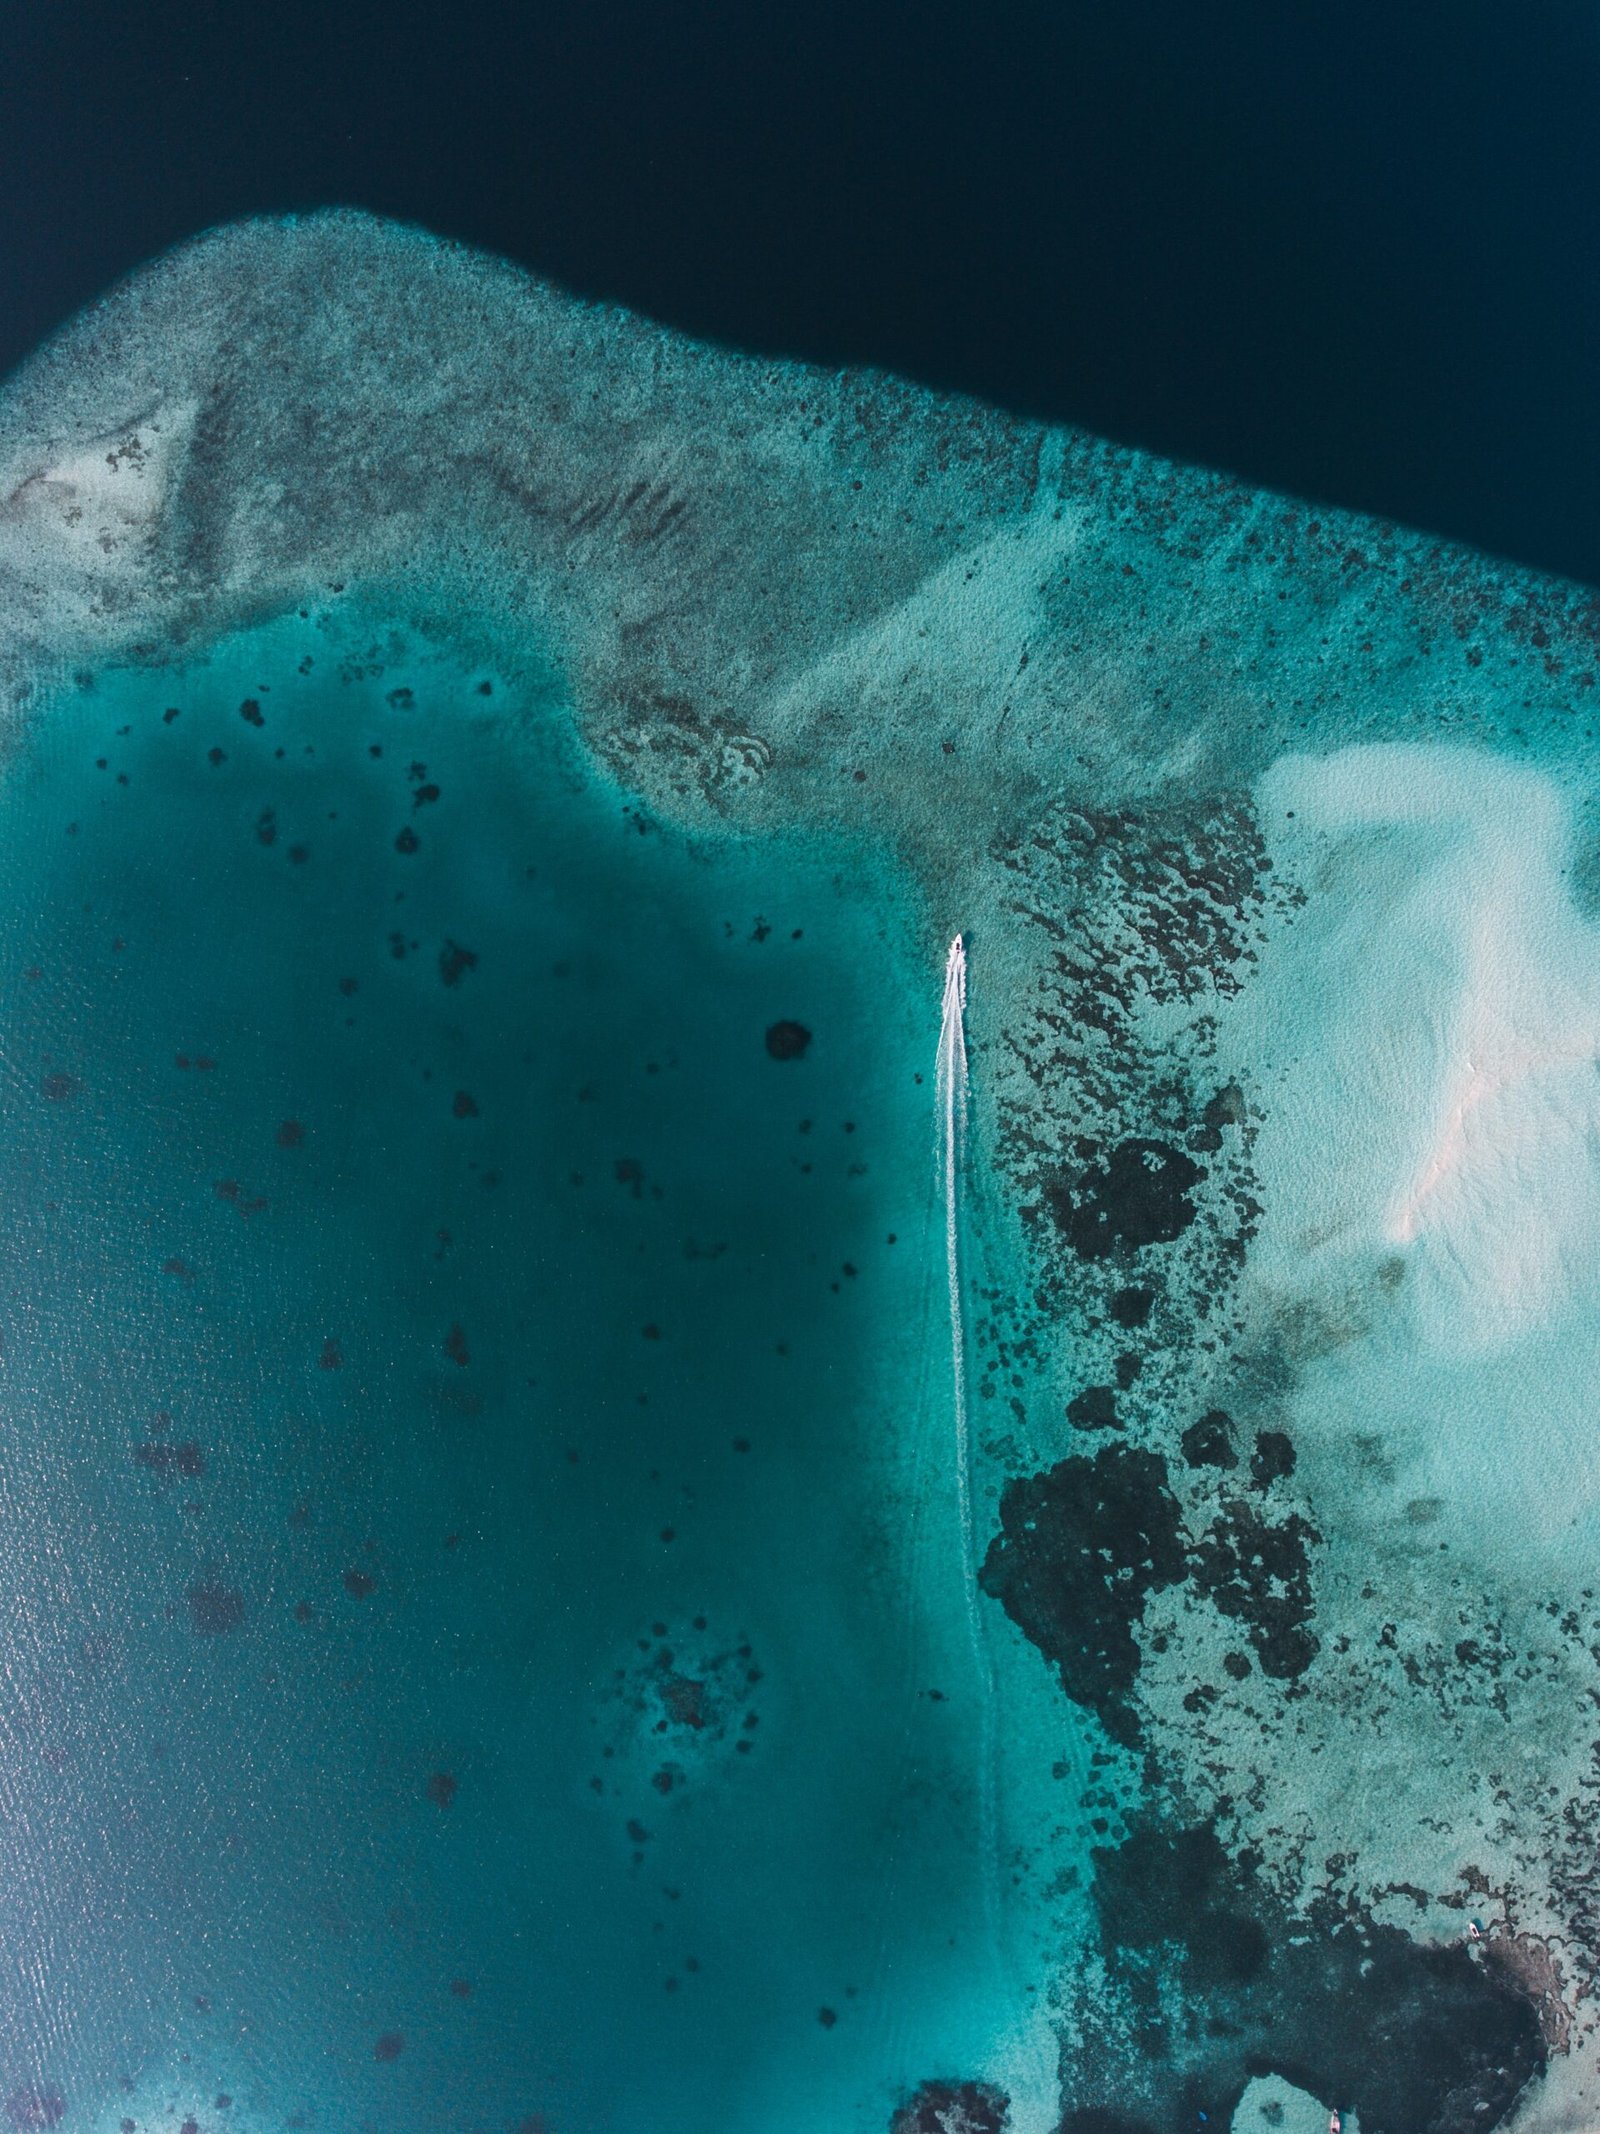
(510, 1644)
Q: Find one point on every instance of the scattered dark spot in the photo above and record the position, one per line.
(389, 2047)
(461, 1988)
(303, 1611)
(332, 1357)
(38, 2105)
(1237, 1665)
(170, 1460)
(455, 1346)
(1137, 1196)
(360, 1585)
(216, 755)
(177, 1267)
(290, 1134)
(455, 961)
(787, 1040)
(172, 712)
(827, 2017)
(214, 1609)
(1078, 1550)
(463, 1105)
(441, 1789)
(651, 1332)
(407, 841)
(250, 712)
(424, 796)
(1209, 1442)
(61, 1088)
(1126, 1369)
(230, 1190)
(1095, 1408)
(630, 1173)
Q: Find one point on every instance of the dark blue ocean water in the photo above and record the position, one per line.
(484, 1612)
(1341, 248)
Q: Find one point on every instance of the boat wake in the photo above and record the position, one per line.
(950, 1085)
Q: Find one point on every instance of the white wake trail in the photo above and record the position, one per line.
(950, 1086)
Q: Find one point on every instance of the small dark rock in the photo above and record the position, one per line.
(788, 1040)
(214, 1609)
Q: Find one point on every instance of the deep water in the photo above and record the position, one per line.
(485, 1616)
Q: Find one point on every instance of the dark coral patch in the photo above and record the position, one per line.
(1209, 1442)
(290, 1134)
(1259, 1574)
(953, 2108)
(1273, 1458)
(389, 2047)
(1095, 1408)
(1138, 1195)
(787, 1040)
(61, 1088)
(455, 1346)
(360, 1585)
(1078, 1551)
(1130, 1307)
(1411, 2037)
(441, 1789)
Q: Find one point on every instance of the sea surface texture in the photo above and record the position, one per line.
(619, 1512)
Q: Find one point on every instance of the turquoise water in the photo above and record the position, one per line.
(488, 1638)
(490, 1634)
